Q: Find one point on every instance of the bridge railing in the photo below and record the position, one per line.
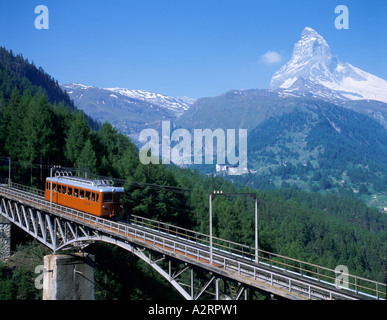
(304, 269)
(244, 254)
(27, 189)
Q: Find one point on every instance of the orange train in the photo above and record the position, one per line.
(97, 197)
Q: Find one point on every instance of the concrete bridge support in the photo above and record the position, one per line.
(5, 238)
(68, 277)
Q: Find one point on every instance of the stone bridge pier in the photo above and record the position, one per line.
(5, 239)
(68, 277)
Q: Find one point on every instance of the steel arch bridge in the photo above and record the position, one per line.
(183, 257)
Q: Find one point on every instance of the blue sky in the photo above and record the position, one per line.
(195, 48)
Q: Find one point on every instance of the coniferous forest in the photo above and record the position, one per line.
(39, 124)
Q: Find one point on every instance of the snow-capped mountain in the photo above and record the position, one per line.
(178, 104)
(314, 71)
(130, 111)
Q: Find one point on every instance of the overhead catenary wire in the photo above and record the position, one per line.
(174, 189)
(154, 186)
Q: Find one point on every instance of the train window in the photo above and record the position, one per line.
(64, 189)
(76, 192)
(59, 188)
(87, 195)
(93, 196)
(107, 197)
(69, 191)
(118, 197)
(81, 193)
(47, 185)
(54, 187)
(97, 197)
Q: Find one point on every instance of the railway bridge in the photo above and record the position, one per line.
(227, 270)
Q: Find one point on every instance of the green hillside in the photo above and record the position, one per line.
(303, 143)
(330, 149)
(17, 72)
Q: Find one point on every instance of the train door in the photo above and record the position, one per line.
(51, 196)
(54, 193)
(62, 195)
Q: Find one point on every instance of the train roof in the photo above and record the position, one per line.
(93, 185)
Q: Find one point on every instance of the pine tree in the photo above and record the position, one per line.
(245, 231)
(62, 121)
(76, 138)
(227, 220)
(38, 132)
(2, 108)
(12, 124)
(87, 159)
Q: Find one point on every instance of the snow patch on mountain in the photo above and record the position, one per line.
(178, 105)
(288, 82)
(171, 103)
(76, 86)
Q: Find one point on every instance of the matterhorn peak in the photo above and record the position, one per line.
(309, 32)
(313, 70)
(311, 46)
(311, 36)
